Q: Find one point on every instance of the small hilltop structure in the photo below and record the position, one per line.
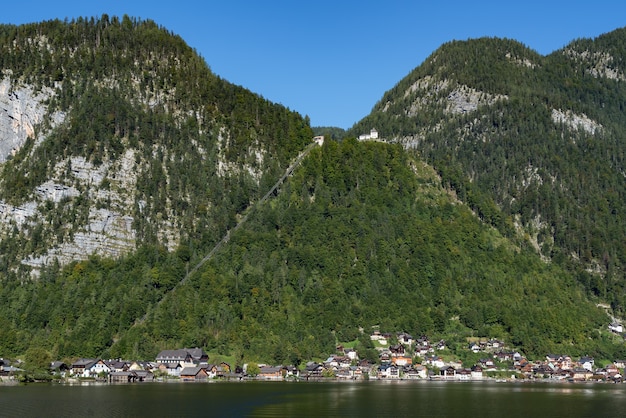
(372, 136)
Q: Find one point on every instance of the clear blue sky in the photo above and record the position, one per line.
(333, 60)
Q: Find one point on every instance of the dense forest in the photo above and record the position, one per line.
(200, 149)
(361, 235)
(534, 145)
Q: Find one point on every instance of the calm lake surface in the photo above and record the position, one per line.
(328, 399)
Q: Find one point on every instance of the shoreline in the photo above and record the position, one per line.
(75, 382)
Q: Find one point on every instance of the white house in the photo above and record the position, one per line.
(89, 367)
(372, 135)
(376, 336)
(587, 363)
(477, 372)
(352, 354)
(405, 339)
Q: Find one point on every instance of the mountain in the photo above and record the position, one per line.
(533, 144)
(145, 204)
(115, 133)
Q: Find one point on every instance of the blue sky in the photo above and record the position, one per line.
(333, 60)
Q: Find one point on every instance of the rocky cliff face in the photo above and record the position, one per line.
(21, 109)
(115, 135)
(107, 227)
(107, 230)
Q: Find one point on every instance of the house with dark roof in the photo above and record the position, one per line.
(314, 369)
(172, 369)
(185, 356)
(476, 372)
(193, 374)
(174, 356)
(89, 367)
(270, 373)
(118, 365)
(448, 372)
(586, 363)
(197, 355)
(122, 377)
(59, 368)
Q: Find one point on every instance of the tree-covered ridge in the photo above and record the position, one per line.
(198, 148)
(527, 141)
(361, 235)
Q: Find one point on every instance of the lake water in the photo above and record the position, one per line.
(327, 399)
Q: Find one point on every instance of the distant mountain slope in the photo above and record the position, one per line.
(361, 235)
(534, 144)
(115, 134)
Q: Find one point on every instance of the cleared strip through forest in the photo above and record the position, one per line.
(226, 237)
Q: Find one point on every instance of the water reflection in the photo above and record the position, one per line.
(427, 399)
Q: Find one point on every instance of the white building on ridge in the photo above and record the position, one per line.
(372, 135)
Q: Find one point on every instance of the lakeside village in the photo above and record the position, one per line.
(400, 357)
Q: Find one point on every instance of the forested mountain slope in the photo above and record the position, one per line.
(116, 134)
(361, 235)
(125, 160)
(535, 145)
